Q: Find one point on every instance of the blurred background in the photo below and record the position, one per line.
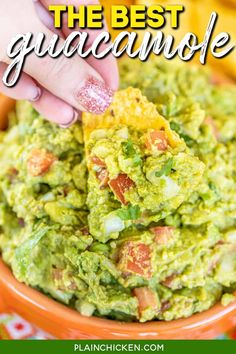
(195, 19)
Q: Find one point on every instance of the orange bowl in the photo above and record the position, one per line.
(65, 323)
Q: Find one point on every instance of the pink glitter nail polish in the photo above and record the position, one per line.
(95, 96)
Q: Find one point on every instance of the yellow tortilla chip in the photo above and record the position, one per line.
(130, 108)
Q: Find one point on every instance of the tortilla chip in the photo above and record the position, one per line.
(130, 108)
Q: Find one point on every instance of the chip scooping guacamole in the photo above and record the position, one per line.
(139, 169)
(130, 215)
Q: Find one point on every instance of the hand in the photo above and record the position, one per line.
(61, 88)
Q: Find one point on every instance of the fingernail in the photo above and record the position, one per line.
(95, 96)
(38, 95)
(74, 119)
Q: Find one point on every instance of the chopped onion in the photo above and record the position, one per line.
(123, 133)
(113, 223)
(99, 134)
(227, 265)
(171, 187)
(48, 197)
(231, 236)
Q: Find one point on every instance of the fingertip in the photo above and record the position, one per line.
(55, 110)
(76, 117)
(108, 69)
(37, 95)
(94, 95)
(25, 89)
(115, 82)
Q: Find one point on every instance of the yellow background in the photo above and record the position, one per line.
(195, 19)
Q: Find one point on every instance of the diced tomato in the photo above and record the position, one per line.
(163, 234)
(168, 282)
(165, 306)
(103, 177)
(13, 171)
(57, 275)
(158, 139)
(135, 258)
(12, 174)
(58, 278)
(98, 162)
(211, 123)
(220, 243)
(39, 162)
(120, 185)
(72, 285)
(85, 230)
(146, 299)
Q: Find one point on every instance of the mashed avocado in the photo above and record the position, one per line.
(138, 172)
(139, 222)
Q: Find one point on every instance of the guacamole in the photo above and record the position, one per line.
(139, 172)
(130, 215)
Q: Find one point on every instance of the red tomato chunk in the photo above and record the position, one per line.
(98, 162)
(120, 185)
(103, 177)
(39, 162)
(157, 139)
(146, 299)
(136, 258)
(163, 234)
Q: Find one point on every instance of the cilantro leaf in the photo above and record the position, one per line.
(128, 148)
(189, 141)
(166, 169)
(137, 160)
(130, 152)
(175, 126)
(131, 212)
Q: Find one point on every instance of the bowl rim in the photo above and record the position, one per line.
(45, 303)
